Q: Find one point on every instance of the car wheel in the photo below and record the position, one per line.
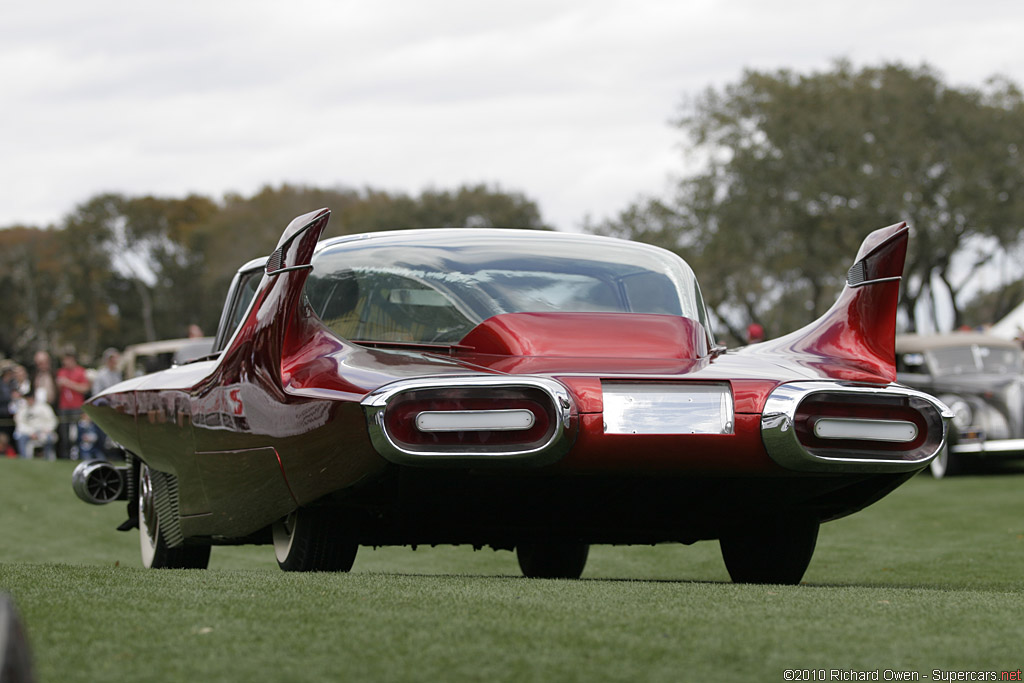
(946, 463)
(156, 554)
(773, 550)
(552, 559)
(312, 540)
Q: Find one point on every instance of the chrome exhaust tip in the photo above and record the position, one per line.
(98, 482)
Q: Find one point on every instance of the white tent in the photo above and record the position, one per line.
(1011, 326)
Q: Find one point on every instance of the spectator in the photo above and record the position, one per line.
(74, 387)
(43, 380)
(6, 399)
(755, 333)
(108, 375)
(20, 388)
(6, 451)
(21, 383)
(92, 441)
(35, 426)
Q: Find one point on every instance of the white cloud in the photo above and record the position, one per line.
(566, 101)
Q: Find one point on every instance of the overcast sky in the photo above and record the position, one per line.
(567, 102)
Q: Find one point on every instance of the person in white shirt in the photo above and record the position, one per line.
(35, 426)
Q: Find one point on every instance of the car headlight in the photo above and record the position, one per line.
(963, 414)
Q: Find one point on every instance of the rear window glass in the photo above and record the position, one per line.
(435, 286)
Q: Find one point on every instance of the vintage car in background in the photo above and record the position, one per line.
(980, 378)
(149, 357)
(524, 390)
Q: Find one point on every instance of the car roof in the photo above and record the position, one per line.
(908, 343)
(166, 345)
(401, 235)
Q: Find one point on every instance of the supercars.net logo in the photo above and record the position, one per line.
(897, 675)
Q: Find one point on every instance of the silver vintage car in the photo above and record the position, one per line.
(981, 378)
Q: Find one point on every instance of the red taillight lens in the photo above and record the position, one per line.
(882, 426)
(406, 419)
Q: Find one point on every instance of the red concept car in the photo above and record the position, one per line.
(516, 389)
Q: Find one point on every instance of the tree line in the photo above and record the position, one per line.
(795, 169)
(121, 269)
(791, 171)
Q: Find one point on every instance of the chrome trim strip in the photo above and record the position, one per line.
(562, 436)
(864, 283)
(780, 439)
(289, 269)
(994, 446)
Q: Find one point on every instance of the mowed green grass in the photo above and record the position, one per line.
(929, 578)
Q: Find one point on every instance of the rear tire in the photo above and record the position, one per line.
(773, 550)
(312, 540)
(552, 559)
(155, 552)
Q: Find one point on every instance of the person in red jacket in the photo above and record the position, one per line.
(73, 385)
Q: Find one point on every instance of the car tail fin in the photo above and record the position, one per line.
(276, 308)
(856, 338)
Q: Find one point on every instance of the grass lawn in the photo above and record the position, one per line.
(928, 579)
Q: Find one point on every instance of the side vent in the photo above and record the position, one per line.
(882, 253)
(276, 261)
(858, 274)
(165, 494)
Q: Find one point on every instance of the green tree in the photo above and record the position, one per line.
(797, 168)
(166, 261)
(121, 270)
(993, 305)
(249, 227)
(245, 228)
(132, 272)
(30, 263)
(85, 245)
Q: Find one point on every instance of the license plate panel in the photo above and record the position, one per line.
(668, 408)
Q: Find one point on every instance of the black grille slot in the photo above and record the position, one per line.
(275, 262)
(858, 274)
(165, 493)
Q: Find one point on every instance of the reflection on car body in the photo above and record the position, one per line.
(514, 389)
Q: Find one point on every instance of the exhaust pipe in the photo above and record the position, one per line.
(98, 482)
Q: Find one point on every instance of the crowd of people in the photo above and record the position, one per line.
(41, 409)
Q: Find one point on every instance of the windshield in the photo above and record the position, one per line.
(434, 286)
(974, 359)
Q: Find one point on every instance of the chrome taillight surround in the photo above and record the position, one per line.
(396, 415)
(912, 427)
